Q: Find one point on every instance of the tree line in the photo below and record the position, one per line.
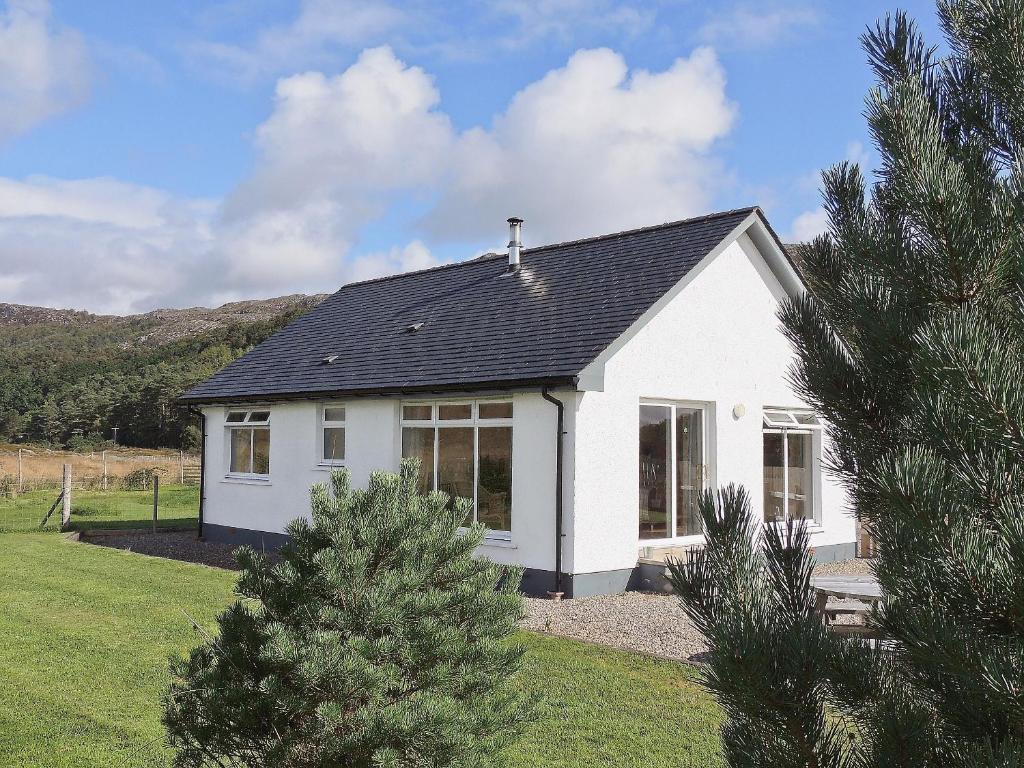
(71, 385)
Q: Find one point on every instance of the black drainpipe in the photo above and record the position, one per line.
(202, 465)
(558, 591)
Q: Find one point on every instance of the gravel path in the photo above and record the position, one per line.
(635, 621)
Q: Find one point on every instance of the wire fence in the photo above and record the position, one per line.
(108, 489)
(29, 469)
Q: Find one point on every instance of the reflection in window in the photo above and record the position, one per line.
(655, 488)
(418, 443)
(672, 470)
(261, 452)
(495, 410)
(789, 461)
(494, 492)
(241, 450)
(461, 412)
(799, 485)
(333, 426)
(689, 469)
(455, 462)
(248, 446)
(774, 478)
(464, 456)
(334, 444)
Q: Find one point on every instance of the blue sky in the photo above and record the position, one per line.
(170, 154)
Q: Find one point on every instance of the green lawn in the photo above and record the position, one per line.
(179, 507)
(85, 633)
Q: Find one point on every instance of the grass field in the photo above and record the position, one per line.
(179, 507)
(87, 632)
(41, 467)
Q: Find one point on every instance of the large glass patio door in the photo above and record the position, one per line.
(672, 470)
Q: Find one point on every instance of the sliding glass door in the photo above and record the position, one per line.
(689, 469)
(655, 471)
(672, 470)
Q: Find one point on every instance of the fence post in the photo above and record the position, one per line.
(65, 515)
(181, 461)
(156, 498)
(104, 470)
(21, 476)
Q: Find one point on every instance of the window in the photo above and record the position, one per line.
(672, 470)
(790, 462)
(465, 450)
(332, 428)
(248, 443)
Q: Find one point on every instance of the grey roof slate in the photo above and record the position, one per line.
(481, 328)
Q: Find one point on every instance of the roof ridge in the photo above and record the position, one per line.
(593, 238)
(649, 228)
(435, 268)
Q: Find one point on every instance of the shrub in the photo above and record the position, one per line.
(911, 343)
(138, 479)
(84, 443)
(191, 439)
(377, 640)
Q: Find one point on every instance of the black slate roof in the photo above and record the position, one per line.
(481, 328)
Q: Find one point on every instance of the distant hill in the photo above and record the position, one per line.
(68, 377)
(161, 325)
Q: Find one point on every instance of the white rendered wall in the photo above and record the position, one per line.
(373, 441)
(717, 342)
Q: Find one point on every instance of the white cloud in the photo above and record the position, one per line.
(812, 223)
(760, 25)
(409, 258)
(808, 225)
(591, 148)
(321, 29)
(373, 128)
(325, 33)
(529, 21)
(333, 155)
(44, 68)
(97, 243)
(856, 153)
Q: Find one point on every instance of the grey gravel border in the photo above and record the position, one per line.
(643, 622)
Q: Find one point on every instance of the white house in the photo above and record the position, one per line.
(581, 394)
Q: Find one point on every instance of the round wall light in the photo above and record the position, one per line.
(739, 411)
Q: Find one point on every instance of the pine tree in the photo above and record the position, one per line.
(911, 345)
(377, 639)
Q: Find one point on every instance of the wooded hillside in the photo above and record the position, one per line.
(68, 378)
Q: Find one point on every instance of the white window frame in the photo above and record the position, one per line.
(474, 421)
(794, 421)
(253, 424)
(322, 425)
(705, 409)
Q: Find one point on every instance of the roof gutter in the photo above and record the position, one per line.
(558, 591)
(391, 391)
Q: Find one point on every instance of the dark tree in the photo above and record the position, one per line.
(911, 344)
(378, 639)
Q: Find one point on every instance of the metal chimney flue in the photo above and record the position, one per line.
(515, 245)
